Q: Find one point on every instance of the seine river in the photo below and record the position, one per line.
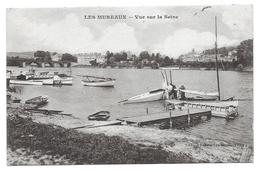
(82, 101)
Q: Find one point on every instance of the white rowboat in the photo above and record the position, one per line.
(108, 83)
(95, 81)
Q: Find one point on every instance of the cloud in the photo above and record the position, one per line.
(118, 37)
(67, 35)
(239, 18)
(184, 40)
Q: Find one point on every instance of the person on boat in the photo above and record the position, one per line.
(168, 92)
(173, 92)
(181, 93)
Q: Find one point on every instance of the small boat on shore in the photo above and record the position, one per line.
(37, 101)
(95, 81)
(146, 97)
(100, 116)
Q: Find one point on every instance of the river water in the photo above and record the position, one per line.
(82, 101)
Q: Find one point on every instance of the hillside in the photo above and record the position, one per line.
(20, 54)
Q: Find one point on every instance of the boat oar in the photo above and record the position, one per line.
(166, 77)
(171, 76)
(244, 99)
(83, 126)
(122, 101)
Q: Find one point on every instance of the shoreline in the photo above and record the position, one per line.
(180, 146)
(28, 140)
(245, 69)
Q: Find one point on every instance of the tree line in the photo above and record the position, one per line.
(243, 52)
(39, 56)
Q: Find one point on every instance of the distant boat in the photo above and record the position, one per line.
(25, 82)
(41, 78)
(99, 116)
(57, 80)
(146, 97)
(95, 81)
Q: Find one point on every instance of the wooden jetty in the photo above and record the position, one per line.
(177, 117)
(220, 109)
(47, 111)
(98, 124)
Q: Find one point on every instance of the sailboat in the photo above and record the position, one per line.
(220, 108)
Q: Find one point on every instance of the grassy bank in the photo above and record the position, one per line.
(82, 148)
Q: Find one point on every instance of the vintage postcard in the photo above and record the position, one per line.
(129, 85)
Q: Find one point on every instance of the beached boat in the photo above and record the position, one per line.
(99, 116)
(146, 97)
(95, 81)
(38, 101)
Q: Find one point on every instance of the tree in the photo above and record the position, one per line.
(167, 61)
(245, 52)
(42, 55)
(68, 57)
(108, 56)
(144, 55)
(93, 62)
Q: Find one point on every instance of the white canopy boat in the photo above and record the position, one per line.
(95, 81)
(24, 80)
(57, 80)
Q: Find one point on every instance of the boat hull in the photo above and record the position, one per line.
(99, 83)
(61, 81)
(146, 97)
(26, 82)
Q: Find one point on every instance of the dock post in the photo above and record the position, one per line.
(188, 117)
(147, 111)
(170, 119)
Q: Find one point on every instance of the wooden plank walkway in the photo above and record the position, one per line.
(98, 124)
(157, 117)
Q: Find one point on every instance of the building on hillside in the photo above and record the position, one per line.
(56, 57)
(192, 56)
(86, 58)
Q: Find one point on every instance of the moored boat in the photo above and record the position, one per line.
(99, 116)
(25, 82)
(57, 80)
(146, 97)
(95, 81)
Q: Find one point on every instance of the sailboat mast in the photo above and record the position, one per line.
(216, 55)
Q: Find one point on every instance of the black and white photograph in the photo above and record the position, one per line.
(130, 85)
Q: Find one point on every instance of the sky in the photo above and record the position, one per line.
(66, 30)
